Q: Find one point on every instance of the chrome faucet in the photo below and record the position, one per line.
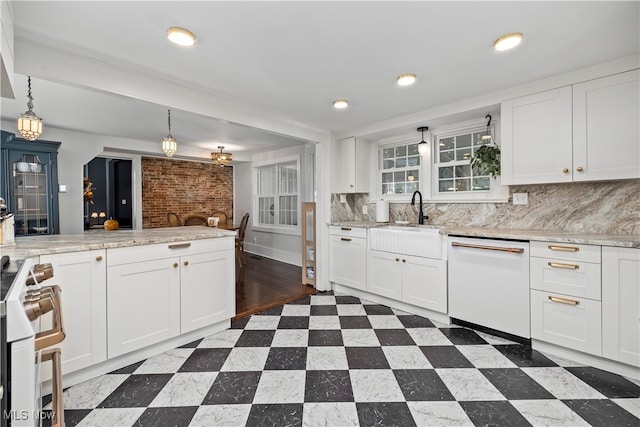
(413, 203)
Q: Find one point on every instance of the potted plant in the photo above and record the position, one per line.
(486, 160)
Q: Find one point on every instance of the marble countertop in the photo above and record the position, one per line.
(625, 241)
(101, 239)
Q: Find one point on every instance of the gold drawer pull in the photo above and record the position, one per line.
(180, 246)
(565, 266)
(186, 263)
(564, 300)
(565, 170)
(345, 239)
(563, 248)
(175, 265)
(579, 169)
(345, 228)
(99, 258)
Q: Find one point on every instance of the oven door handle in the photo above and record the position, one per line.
(56, 393)
(55, 335)
(488, 248)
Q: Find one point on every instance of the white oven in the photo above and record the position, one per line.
(25, 347)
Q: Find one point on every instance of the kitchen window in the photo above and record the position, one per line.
(399, 171)
(277, 195)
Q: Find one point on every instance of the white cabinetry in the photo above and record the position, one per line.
(82, 278)
(354, 158)
(565, 295)
(348, 256)
(585, 132)
(415, 280)
(167, 289)
(621, 304)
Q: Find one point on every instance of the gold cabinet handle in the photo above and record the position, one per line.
(579, 169)
(563, 248)
(397, 259)
(99, 258)
(175, 265)
(186, 263)
(563, 300)
(488, 248)
(565, 170)
(179, 245)
(345, 239)
(561, 265)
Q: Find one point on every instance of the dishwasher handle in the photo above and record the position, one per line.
(488, 248)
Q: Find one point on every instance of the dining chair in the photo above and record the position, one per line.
(240, 255)
(222, 217)
(173, 219)
(195, 220)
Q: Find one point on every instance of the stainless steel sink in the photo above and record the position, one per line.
(417, 241)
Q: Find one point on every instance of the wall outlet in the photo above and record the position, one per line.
(255, 240)
(365, 209)
(520, 198)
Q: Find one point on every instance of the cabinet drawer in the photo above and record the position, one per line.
(348, 231)
(567, 321)
(133, 254)
(566, 251)
(575, 278)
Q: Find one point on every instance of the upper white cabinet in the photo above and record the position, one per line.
(584, 132)
(606, 136)
(354, 173)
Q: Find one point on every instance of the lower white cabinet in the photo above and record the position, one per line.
(167, 289)
(567, 321)
(621, 304)
(414, 280)
(348, 257)
(82, 278)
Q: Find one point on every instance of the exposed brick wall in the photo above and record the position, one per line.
(185, 188)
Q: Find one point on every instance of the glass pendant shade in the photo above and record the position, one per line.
(221, 158)
(423, 147)
(169, 145)
(29, 125)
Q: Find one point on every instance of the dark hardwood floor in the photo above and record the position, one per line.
(265, 283)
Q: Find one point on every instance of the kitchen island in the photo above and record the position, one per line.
(131, 294)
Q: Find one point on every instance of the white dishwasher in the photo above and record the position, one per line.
(489, 283)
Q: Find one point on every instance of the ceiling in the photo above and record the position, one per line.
(294, 58)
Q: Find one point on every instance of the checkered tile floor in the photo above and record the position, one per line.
(332, 360)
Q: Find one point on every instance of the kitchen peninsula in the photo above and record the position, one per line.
(130, 294)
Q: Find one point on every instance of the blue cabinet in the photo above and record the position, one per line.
(30, 183)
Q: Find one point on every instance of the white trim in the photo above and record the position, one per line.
(287, 257)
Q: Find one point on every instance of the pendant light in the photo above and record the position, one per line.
(169, 144)
(29, 125)
(221, 158)
(423, 147)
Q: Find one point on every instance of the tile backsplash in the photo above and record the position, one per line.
(596, 207)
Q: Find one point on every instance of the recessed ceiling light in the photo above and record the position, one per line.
(508, 41)
(406, 79)
(340, 104)
(181, 36)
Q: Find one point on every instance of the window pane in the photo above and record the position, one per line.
(387, 177)
(401, 163)
(388, 153)
(463, 171)
(388, 164)
(411, 187)
(463, 141)
(481, 184)
(412, 150)
(413, 161)
(399, 177)
(463, 154)
(463, 184)
(387, 189)
(446, 143)
(401, 151)
(413, 175)
(399, 188)
(446, 156)
(446, 186)
(445, 172)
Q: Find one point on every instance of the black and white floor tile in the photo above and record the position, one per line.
(333, 360)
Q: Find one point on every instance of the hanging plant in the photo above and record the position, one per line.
(486, 161)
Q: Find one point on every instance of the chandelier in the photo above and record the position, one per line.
(29, 125)
(169, 144)
(221, 158)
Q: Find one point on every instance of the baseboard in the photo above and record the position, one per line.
(287, 257)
